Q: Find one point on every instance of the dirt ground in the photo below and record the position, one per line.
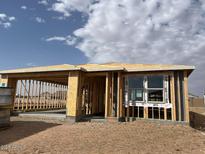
(42, 136)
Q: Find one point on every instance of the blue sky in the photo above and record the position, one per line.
(23, 44)
(48, 32)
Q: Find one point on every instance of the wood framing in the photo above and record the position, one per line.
(101, 90)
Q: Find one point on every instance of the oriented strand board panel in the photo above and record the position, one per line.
(71, 106)
(102, 67)
(53, 68)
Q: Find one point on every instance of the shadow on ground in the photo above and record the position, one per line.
(22, 129)
(197, 120)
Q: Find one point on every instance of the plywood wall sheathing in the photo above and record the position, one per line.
(73, 82)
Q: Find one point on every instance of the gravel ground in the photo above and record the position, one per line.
(43, 136)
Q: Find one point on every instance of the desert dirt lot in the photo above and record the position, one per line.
(45, 136)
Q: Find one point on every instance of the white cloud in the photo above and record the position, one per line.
(68, 6)
(3, 16)
(5, 20)
(39, 20)
(69, 40)
(23, 7)
(142, 31)
(55, 38)
(43, 2)
(12, 18)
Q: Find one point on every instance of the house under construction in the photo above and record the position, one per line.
(113, 90)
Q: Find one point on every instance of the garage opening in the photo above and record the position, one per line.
(38, 97)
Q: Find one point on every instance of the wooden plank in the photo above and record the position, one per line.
(172, 88)
(179, 97)
(146, 112)
(186, 96)
(165, 113)
(112, 96)
(106, 94)
(118, 94)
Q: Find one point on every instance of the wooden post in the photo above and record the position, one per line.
(186, 96)
(165, 113)
(106, 95)
(146, 112)
(172, 88)
(39, 93)
(119, 96)
(179, 97)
